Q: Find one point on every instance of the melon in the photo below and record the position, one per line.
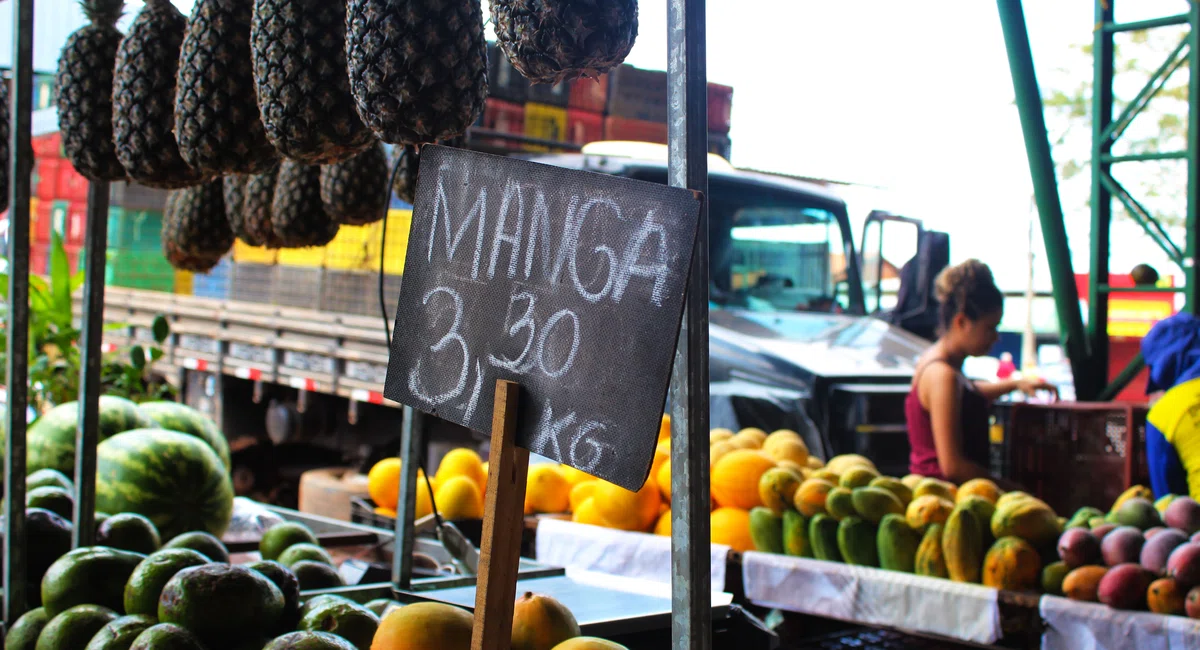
(173, 479)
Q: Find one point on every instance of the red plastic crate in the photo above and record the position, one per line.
(47, 177)
(720, 108)
(76, 225)
(1072, 455)
(505, 117)
(48, 145)
(584, 126)
(73, 253)
(39, 258)
(620, 128)
(589, 94)
(71, 185)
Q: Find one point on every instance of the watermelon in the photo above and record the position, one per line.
(51, 438)
(173, 479)
(185, 419)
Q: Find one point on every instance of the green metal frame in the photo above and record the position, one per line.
(1087, 348)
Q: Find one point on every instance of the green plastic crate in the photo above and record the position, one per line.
(134, 230)
(139, 270)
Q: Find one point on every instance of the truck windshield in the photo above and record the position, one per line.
(774, 253)
(773, 250)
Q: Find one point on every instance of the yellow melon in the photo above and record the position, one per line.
(663, 479)
(580, 492)
(731, 527)
(586, 513)
(462, 462)
(424, 626)
(719, 435)
(383, 483)
(978, 487)
(541, 622)
(459, 498)
(718, 451)
(635, 511)
(664, 428)
(785, 449)
(663, 527)
(735, 478)
(589, 643)
(546, 490)
(574, 476)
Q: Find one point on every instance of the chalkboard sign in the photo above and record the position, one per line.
(569, 283)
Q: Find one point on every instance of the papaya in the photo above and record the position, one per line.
(826, 474)
(766, 530)
(1029, 519)
(1082, 517)
(856, 541)
(910, 481)
(810, 496)
(895, 486)
(872, 503)
(1009, 497)
(897, 544)
(839, 503)
(843, 463)
(1135, 492)
(930, 561)
(978, 487)
(926, 510)
(983, 510)
(935, 486)
(1012, 564)
(962, 545)
(857, 476)
(777, 488)
(795, 534)
(823, 535)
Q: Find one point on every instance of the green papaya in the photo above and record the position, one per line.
(766, 530)
(795, 534)
(963, 546)
(897, 544)
(839, 503)
(856, 541)
(872, 503)
(930, 560)
(823, 534)
(1053, 575)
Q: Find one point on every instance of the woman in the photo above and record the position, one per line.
(947, 413)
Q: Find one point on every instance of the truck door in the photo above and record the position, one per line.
(900, 261)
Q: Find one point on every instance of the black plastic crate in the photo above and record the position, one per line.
(637, 94)
(552, 94)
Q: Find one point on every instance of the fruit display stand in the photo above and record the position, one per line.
(1073, 625)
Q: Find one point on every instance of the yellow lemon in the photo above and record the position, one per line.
(459, 497)
(625, 509)
(383, 483)
(719, 435)
(581, 492)
(462, 462)
(546, 490)
(574, 476)
(586, 513)
(731, 527)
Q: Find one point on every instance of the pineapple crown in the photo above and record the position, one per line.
(103, 12)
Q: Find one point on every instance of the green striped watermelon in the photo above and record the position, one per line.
(51, 438)
(185, 419)
(174, 479)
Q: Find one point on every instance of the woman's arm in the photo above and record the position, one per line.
(943, 405)
(994, 390)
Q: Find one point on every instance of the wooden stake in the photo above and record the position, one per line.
(503, 513)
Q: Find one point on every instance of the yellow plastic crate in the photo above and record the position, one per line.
(243, 252)
(399, 222)
(183, 283)
(305, 257)
(351, 249)
(545, 122)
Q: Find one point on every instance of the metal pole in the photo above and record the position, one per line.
(87, 435)
(411, 441)
(1191, 272)
(1045, 187)
(1102, 112)
(687, 123)
(17, 360)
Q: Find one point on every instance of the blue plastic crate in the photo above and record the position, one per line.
(215, 283)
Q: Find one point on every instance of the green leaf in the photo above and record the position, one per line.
(60, 275)
(77, 281)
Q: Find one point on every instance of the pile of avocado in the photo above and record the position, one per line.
(134, 593)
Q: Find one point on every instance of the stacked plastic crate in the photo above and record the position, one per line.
(134, 257)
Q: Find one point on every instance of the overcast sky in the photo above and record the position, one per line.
(915, 97)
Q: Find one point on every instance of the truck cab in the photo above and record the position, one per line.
(792, 344)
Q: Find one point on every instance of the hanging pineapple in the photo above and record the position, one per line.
(233, 190)
(297, 215)
(299, 54)
(405, 161)
(355, 192)
(143, 119)
(217, 121)
(418, 68)
(550, 41)
(256, 210)
(196, 232)
(85, 92)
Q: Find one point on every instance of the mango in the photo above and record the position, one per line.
(856, 542)
(766, 530)
(872, 503)
(795, 534)
(897, 544)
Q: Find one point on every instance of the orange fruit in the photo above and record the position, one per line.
(635, 511)
(735, 478)
(663, 527)
(663, 479)
(731, 527)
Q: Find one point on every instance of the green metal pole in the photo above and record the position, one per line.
(1102, 113)
(1045, 187)
(1191, 273)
